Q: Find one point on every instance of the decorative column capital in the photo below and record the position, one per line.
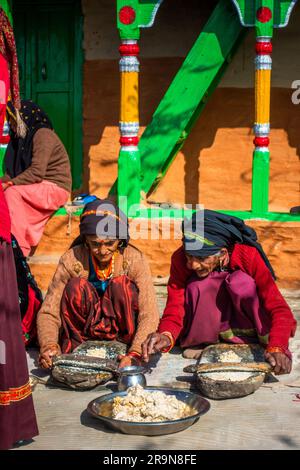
(135, 14)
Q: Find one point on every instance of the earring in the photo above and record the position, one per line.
(221, 267)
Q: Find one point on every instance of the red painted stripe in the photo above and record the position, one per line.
(262, 48)
(126, 141)
(261, 141)
(129, 49)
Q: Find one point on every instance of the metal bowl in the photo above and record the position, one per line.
(100, 408)
(131, 376)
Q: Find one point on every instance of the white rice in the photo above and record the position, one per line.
(230, 356)
(96, 352)
(229, 376)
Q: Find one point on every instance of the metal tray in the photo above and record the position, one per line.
(100, 409)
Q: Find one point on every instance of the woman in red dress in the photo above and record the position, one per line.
(222, 288)
(17, 416)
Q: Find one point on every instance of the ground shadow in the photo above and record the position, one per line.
(87, 420)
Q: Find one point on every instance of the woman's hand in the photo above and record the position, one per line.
(126, 361)
(281, 363)
(45, 359)
(154, 343)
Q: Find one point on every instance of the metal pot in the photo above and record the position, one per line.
(131, 376)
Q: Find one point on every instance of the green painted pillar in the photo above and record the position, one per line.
(131, 16)
(129, 165)
(263, 15)
(264, 20)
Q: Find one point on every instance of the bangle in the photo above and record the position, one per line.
(278, 349)
(275, 349)
(134, 354)
(50, 345)
(170, 336)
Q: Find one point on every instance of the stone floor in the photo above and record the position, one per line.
(267, 419)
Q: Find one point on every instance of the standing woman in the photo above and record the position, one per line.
(17, 416)
(38, 176)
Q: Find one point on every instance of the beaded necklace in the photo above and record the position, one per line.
(107, 273)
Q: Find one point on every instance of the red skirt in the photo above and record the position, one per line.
(86, 315)
(17, 416)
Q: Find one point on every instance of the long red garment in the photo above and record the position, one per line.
(248, 260)
(17, 416)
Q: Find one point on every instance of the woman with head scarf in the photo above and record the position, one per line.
(222, 288)
(38, 176)
(17, 416)
(102, 290)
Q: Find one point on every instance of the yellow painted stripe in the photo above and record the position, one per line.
(129, 97)
(262, 96)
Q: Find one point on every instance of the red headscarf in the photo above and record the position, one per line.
(4, 218)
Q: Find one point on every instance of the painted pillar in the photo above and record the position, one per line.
(4, 138)
(131, 16)
(264, 15)
(129, 165)
(263, 66)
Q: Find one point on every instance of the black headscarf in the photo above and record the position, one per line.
(207, 232)
(103, 218)
(18, 155)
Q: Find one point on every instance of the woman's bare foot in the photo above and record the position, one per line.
(192, 353)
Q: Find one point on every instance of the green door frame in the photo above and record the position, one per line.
(77, 160)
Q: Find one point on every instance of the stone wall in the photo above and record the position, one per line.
(280, 242)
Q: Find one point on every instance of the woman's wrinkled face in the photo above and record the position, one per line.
(204, 266)
(102, 250)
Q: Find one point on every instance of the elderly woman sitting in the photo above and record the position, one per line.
(102, 289)
(222, 287)
(37, 178)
